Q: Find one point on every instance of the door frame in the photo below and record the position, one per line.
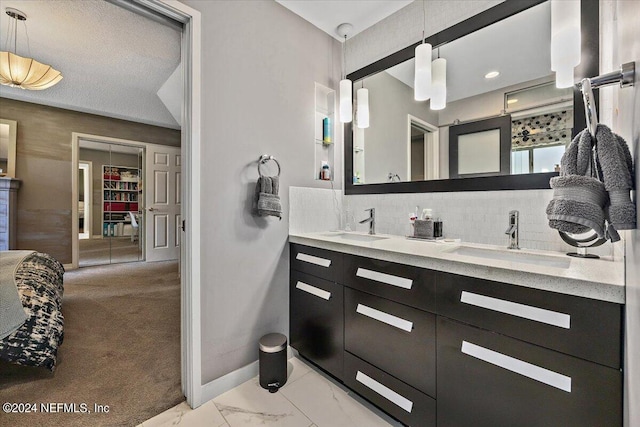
(88, 198)
(190, 328)
(431, 147)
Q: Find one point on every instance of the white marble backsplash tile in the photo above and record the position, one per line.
(314, 209)
(473, 216)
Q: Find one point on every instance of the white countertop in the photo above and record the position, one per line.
(601, 279)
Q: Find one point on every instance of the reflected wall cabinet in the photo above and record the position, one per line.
(122, 191)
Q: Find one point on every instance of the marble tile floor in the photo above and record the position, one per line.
(310, 398)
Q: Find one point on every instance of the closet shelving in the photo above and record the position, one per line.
(121, 194)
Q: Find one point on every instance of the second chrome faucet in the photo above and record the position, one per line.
(512, 231)
(371, 220)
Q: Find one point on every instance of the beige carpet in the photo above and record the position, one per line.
(108, 251)
(121, 348)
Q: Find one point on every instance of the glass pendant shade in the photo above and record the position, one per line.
(362, 113)
(26, 73)
(565, 40)
(346, 104)
(422, 79)
(439, 84)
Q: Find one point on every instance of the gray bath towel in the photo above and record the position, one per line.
(267, 201)
(617, 175)
(577, 205)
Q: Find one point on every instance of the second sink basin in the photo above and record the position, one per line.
(357, 237)
(513, 256)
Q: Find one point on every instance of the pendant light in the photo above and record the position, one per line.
(24, 72)
(439, 84)
(362, 112)
(422, 75)
(346, 86)
(565, 40)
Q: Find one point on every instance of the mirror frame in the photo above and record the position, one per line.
(11, 153)
(589, 67)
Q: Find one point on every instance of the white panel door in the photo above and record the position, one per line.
(162, 203)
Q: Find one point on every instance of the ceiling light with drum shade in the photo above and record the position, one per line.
(422, 75)
(23, 72)
(565, 40)
(346, 86)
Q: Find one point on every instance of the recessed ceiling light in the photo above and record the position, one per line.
(512, 101)
(492, 74)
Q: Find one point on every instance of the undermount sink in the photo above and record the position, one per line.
(356, 237)
(512, 256)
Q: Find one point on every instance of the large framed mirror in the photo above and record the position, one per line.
(409, 148)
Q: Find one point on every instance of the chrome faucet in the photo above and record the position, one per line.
(371, 220)
(512, 231)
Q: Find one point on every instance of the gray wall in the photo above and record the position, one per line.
(626, 48)
(259, 65)
(99, 159)
(43, 164)
(385, 141)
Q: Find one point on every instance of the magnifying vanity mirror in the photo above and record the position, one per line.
(8, 132)
(503, 132)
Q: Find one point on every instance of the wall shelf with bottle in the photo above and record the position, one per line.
(325, 126)
(121, 194)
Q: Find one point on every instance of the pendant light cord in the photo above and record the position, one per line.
(424, 22)
(344, 58)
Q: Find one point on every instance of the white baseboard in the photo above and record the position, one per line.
(225, 383)
(215, 388)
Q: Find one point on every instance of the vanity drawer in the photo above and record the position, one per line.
(317, 262)
(582, 327)
(405, 284)
(398, 339)
(316, 326)
(487, 379)
(401, 401)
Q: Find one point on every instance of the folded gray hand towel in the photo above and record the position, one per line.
(577, 205)
(617, 174)
(266, 200)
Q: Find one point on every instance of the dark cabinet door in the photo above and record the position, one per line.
(582, 327)
(316, 326)
(487, 379)
(317, 262)
(405, 284)
(396, 398)
(398, 339)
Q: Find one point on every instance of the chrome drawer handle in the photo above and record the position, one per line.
(385, 391)
(313, 290)
(383, 317)
(518, 366)
(322, 262)
(516, 309)
(388, 279)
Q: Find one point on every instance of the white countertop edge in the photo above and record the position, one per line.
(612, 291)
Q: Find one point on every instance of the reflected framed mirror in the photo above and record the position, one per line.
(8, 134)
(408, 148)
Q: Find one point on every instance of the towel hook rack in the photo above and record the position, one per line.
(625, 76)
(264, 159)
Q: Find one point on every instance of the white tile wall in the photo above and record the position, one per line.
(314, 209)
(473, 216)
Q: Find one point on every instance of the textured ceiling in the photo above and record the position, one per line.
(328, 14)
(113, 61)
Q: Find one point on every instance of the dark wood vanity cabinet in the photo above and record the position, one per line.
(433, 348)
(316, 326)
(487, 379)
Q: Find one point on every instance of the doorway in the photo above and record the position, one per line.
(422, 150)
(113, 211)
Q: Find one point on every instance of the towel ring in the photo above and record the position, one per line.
(264, 159)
